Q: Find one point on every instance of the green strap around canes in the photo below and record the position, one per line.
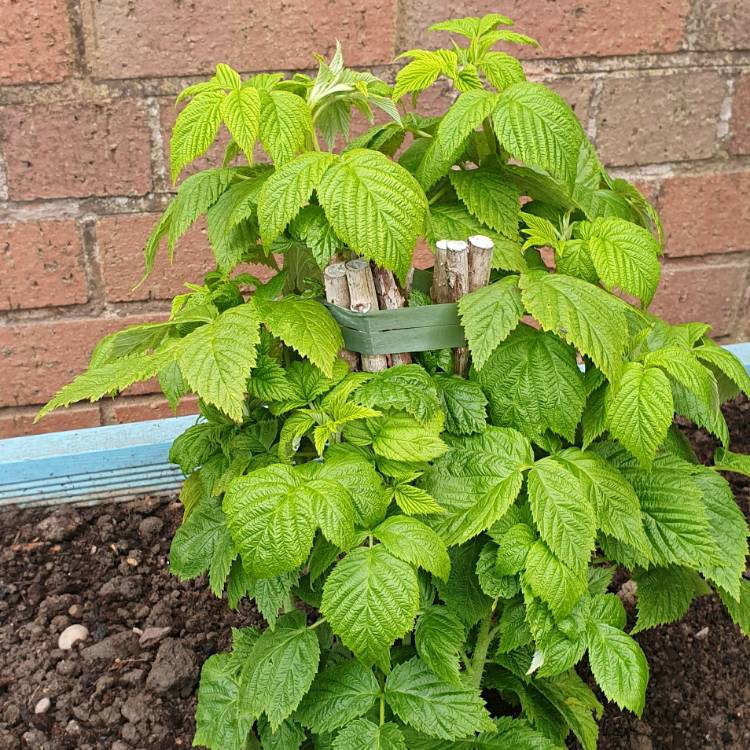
(408, 329)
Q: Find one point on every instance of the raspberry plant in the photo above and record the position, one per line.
(432, 554)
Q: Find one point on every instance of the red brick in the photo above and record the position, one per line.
(648, 119)
(38, 358)
(707, 292)
(15, 422)
(41, 263)
(739, 126)
(705, 214)
(565, 28)
(35, 41)
(76, 150)
(153, 37)
(722, 24)
(142, 409)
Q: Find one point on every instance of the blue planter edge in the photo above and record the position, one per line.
(114, 462)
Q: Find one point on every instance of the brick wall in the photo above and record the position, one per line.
(662, 87)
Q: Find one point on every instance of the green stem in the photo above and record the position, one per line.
(440, 193)
(382, 708)
(479, 657)
(316, 624)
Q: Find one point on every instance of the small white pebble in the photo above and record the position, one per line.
(42, 706)
(702, 634)
(71, 635)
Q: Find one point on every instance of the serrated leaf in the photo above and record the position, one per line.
(580, 313)
(639, 410)
(305, 325)
(216, 359)
(501, 70)
(195, 129)
(230, 243)
(553, 581)
(488, 315)
(512, 549)
(240, 111)
(412, 541)
(339, 695)
(288, 189)
(221, 724)
(491, 581)
(533, 384)
(664, 595)
(737, 463)
(739, 611)
(687, 404)
(362, 734)
(285, 124)
(725, 362)
(536, 126)
(423, 70)
(489, 198)
(680, 364)
(619, 666)
(476, 482)
(375, 206)
(562, 512)
(280, 670)
(430, 705)
(447, 144)
(289, 736)
(439, 638)
(414, 501)
(272, 595)
(402, 438)
(370, 599)
(402, 388)
(464, 404)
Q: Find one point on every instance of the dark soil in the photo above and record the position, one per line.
(131, 684)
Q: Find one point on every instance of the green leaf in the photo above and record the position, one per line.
(312, 228)
(501, 70)
(619, 666)
(412, 541)
(640, 410)
(241, 113)
(447, 144)
(227, 77)
(476, 482)
(488, 315)
(402, 388)
(339, 695)
(464, 404)
(536, 126)
(362, 734)
(491, 581)
(430, 705)
(280, 670)
(216, 359)
(230, 243)
(370, 599)
(285, 125)
(553, 581)
(582, 314)
(680, 364)
(739, 611)
(288, 189)
(221, 724)
(195, 129)
(375, 206)
(725, 362)
(402, 438)
(512, 549)
(423, 70)
(489, 198)
(687, 404)
(305, 325)
(562, 512)
(533, 384)
(414, 501)
(289, 736)
(439, 638)
(272, 595)
(664, 595)
(736, 463)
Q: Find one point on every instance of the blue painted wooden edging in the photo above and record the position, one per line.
(116, 462)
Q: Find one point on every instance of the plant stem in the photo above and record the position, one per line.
(479, 657)
(439, 193)
(382, 708)
(316, 624)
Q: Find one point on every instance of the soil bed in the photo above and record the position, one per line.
(106, 568)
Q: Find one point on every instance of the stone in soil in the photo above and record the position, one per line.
(71, 635)
(59, 526)
(174, 669)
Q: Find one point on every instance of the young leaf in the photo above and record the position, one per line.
(288, 189)
(619, 666)
(423, 70)
(430, 705)
(305, 325)
(464, 404)
(402, 388)
(439, 638)
(216, 359)
(414, 501)
(195, 129)
(488, 315)
(412, 541)
(640, 410)
(367, 196)
(362, 734)
(285, 125)
(241, 113)
(536, 126)
(370, 599)
(491, 199)
(339, 695)
(501, 70)
(280, 670)
(402, 438)
(679, 363)
(664, 595)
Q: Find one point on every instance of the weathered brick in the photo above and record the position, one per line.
(721, 24)
(76, 150)
(705, 214)
(35, 41)
(16, 422)
(739, 125)
(565, 28)
(140, 409)
(41, 263)
(648, 119)
(708, 292)
(121, 239)
(153, 37)
(38, 358)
